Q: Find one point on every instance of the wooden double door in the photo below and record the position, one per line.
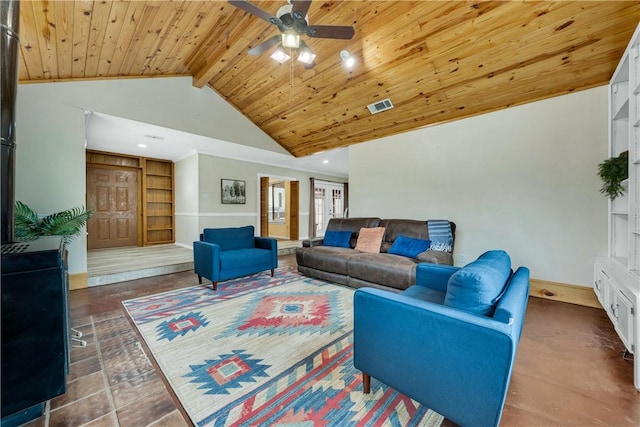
(112, 195)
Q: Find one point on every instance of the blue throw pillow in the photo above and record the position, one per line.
(408, 246)
(337, 238)
(477, 287)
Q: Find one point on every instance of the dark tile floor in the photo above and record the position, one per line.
(569, 370)
(111, 381)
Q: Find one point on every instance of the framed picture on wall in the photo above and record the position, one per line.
(233, 191)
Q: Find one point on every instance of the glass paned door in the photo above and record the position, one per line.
(329, 203)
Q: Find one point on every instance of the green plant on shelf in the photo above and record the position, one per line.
(613, 171)
(68, 223)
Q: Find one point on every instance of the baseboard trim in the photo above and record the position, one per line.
(78, 281)
(580, 295)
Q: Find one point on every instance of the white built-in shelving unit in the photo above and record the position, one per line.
(617, 277)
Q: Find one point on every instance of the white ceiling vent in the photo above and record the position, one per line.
(378, 107)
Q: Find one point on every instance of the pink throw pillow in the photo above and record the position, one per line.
(370, 239)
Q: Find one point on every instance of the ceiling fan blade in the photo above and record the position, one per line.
(265, 45)
(330, 31)
(256, 11)
(300, 8)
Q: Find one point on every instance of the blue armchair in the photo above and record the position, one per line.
(449, 342)
(227, 253)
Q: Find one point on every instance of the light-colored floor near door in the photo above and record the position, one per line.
(105, 266)
(113, 265)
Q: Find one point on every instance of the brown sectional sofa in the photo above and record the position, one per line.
(380, 270)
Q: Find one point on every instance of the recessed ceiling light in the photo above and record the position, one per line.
(142, 145)
(347, 59)
(325, 161)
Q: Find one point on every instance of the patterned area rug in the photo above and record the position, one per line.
(267, 351)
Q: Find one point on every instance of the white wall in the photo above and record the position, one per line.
(212, 213)
(187, 200)
(522, 179)
(50, 162)
(170, 102)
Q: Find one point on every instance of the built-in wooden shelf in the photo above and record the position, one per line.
(159, 198)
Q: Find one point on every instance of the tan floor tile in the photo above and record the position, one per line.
(79, 389)
(110, 328)
(107, 316)
(108, 420)
(145, 411)
(174, 419)
(81, 322)
(126, 392)
(126, 342)
(81, 411)
(127, 365)
(83, 368)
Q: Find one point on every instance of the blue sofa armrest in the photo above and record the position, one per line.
(434, 276)
(206, 260)
(458, 364)
(512, 306)
(269, 244)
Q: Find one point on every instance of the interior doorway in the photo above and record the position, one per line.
(279, 208)
(112, 195)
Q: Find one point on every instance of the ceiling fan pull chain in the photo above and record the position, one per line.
(290, 80)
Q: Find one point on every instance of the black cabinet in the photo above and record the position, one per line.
(35, 324)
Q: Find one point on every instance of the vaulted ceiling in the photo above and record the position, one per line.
(436, 60)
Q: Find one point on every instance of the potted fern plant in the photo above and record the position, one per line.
(68, 223)
(612, 172)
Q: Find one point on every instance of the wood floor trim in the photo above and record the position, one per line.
(78, 281)
(580, 295)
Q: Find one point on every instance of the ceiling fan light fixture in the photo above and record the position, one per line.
(280, 55)
(292, 41)
(306, 55)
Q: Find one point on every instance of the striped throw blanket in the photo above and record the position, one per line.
(440, 235)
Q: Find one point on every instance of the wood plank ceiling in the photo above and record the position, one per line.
(436, 60)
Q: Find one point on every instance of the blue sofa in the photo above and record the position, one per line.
(227, 253)
(449, 342)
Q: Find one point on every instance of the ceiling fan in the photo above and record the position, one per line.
(291, 19)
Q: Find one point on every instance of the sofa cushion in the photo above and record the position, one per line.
(230, 238)
(340, 239)
(402, 227)
(408, 246)
(369, 240)
(389, 270)
(325, 258)
(240, 258)
(425, 293)
(477, 286)
(353, 225)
